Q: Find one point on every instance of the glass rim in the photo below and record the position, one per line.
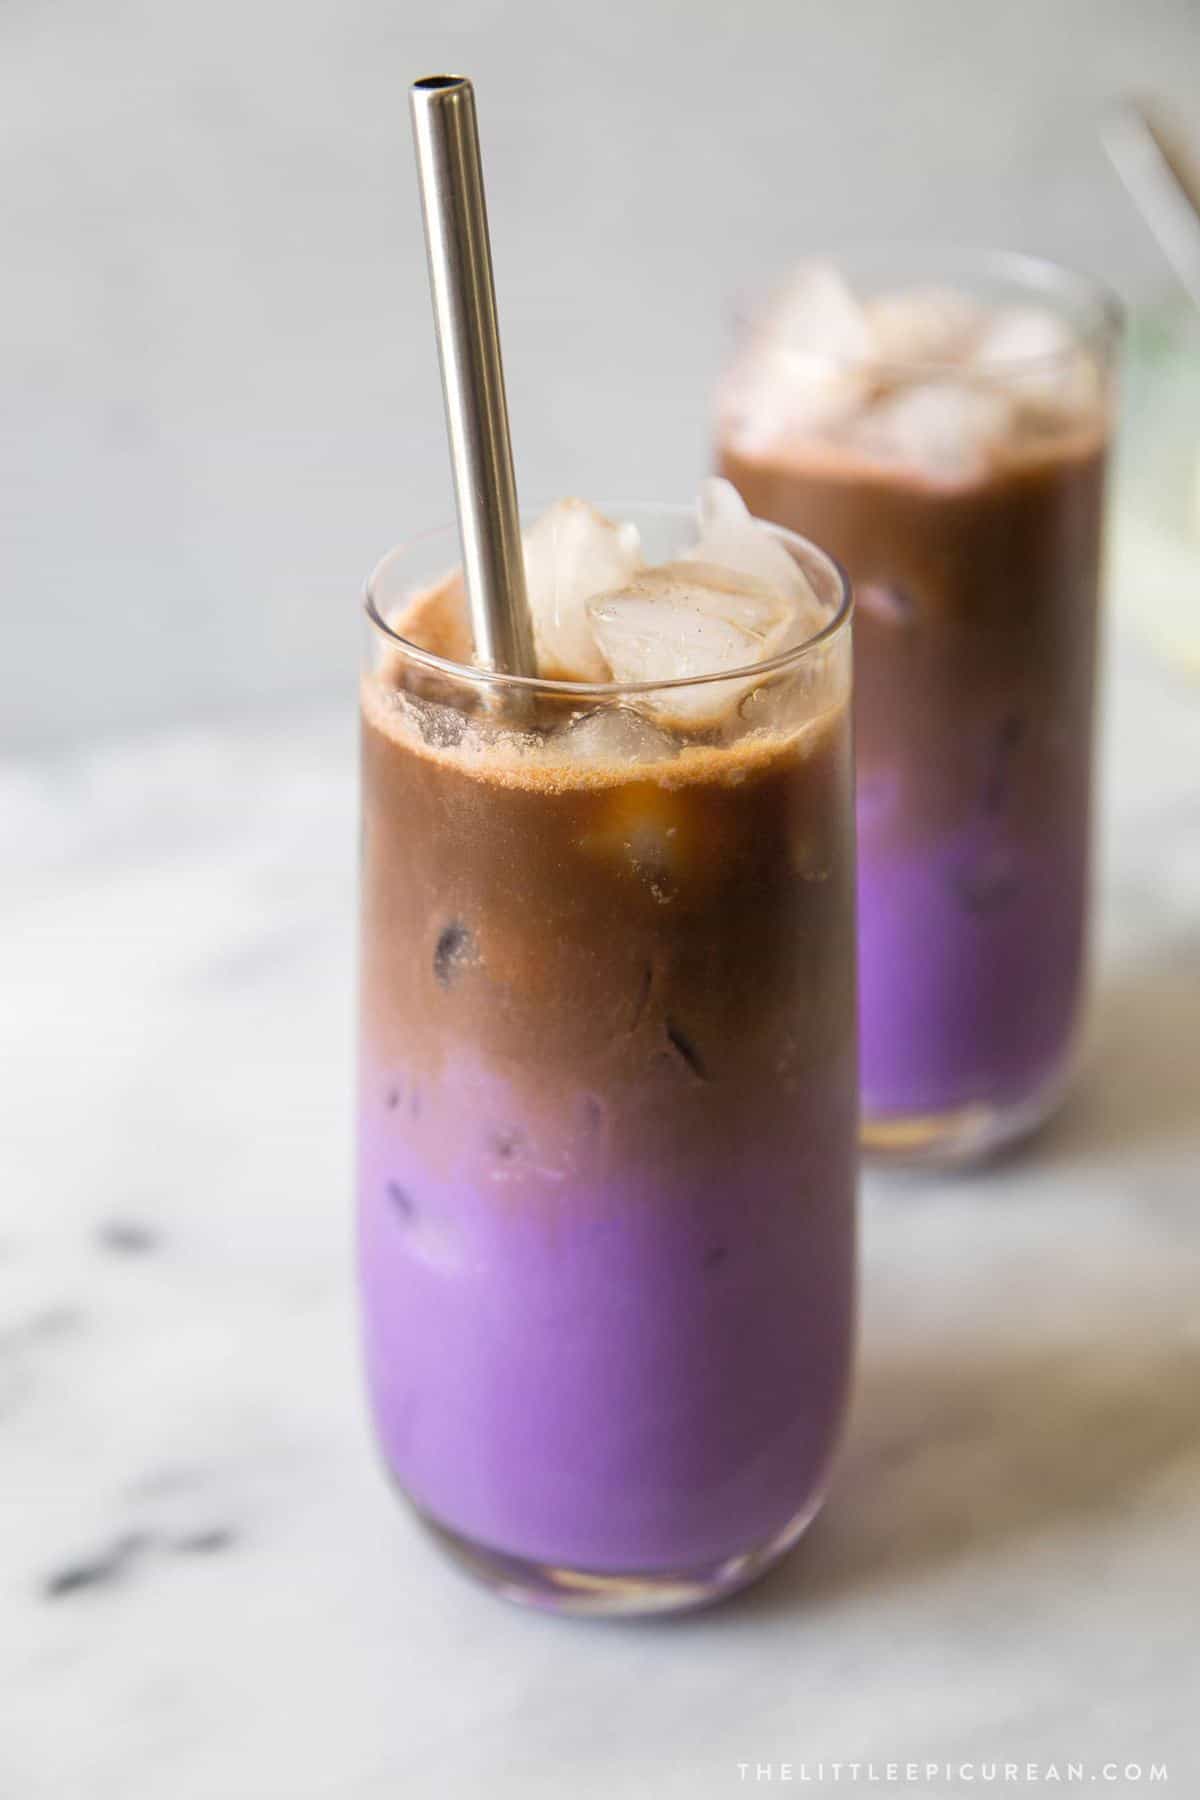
(1102, 325)
(609, 690)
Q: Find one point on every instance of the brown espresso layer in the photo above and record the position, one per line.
(975, 621)
(660, 953)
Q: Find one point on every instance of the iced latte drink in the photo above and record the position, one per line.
(608, 1067)
(944, 431)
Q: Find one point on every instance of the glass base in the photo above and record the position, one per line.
(963, 1135)
(551, 1588)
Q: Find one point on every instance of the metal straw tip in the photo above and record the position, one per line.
(1161, 179)
(464, 304)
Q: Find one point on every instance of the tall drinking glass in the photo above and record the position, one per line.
(941, 421)
(608, 1102)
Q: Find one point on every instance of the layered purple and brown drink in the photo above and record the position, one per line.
(944, 431)
(608, 1067)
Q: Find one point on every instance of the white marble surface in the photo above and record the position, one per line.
(206, 1590)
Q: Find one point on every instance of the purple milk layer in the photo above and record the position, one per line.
(607, 1374)
(975, 640)
(608, 1126)
(971, 953)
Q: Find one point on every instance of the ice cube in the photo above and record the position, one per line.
(454, 952)
(732, 539)
(681, 620)
(817, 312)
(759, 613)
(772, 399)
(1022, 334)
(651, 829)
(923, 325)
(770, 705)
(660, 639)
(1039, 361)
(572, 553)
(804, 370)
(946, 429)
(615, 734)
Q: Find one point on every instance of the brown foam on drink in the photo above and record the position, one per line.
(827, 457)
(436, 620)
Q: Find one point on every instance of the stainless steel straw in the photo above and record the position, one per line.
(464, 305)
(1145, 164)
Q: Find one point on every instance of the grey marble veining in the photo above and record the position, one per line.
(207, 1591)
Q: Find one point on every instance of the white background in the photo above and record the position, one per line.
(218, 392)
